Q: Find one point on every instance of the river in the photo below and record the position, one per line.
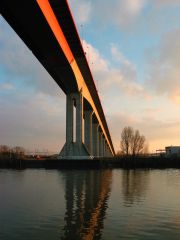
(89, 204)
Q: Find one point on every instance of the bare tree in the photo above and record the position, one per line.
(137, 144)
(19, 151)
(4, 152)
(4, 149)
(132, 143)
(126, 139)
(7, 152)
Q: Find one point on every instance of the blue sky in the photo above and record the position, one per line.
(133, 49)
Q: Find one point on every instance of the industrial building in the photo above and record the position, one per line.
(172, 151)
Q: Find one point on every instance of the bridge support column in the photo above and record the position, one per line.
(100, 144)
(107, 150)
(74, 150)
(69, 119)
(104, 143)
(95, 135)
(88, 130)
(79, 116)
(104, 147)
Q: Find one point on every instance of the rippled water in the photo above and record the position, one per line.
(92, 204)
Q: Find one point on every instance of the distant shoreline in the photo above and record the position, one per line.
(125, 163)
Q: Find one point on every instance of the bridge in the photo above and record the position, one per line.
(48, 29)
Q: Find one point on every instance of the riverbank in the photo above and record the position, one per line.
(126, 163)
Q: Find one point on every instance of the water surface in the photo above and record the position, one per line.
(89, 204)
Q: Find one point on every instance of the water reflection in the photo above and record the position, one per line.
(134, 185)
(86, 195)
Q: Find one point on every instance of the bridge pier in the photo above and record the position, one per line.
(103, 146)
(74, 148)
(109, 154)
(69, 119)
(88, 130)
(95, 142)
(106, 150)
(100, 144)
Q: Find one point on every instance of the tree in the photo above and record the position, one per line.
(132, 143)
(8, 152)
(4, 152)
(137, 143)
(4, 149)
(126, 139)
(19, 152)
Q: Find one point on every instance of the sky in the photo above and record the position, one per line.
(133, 50)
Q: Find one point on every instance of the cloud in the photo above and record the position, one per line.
(32, 106)
(134, 7)
(81, 10)
(118, 88)
(6, 86)
(116, 122)
(128, 69)
(121, 13)
(94, 58)
(163, 66)
(158, 133)
(34, 122)
(132, 16)
(109, 78)
(18, 62)
(118, 12)
(161, 3)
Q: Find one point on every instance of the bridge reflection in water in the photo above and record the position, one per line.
(86, 196)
